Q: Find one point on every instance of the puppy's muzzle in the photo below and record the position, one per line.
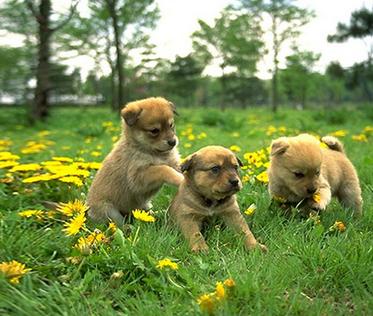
(171, 142)
(234, 182)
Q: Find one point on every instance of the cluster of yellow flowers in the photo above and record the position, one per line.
(63, 169)
(13, 270)
(209, 302)
(255, 165)
(167, 263)
(189, 136)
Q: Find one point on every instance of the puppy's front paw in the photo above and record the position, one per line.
(318, 206)
(257, 245)
(200, 247)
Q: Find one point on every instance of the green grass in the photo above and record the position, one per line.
(308, 269)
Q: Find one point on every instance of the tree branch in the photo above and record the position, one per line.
(33, 10)
(64, 22)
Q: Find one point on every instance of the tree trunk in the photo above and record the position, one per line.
(275, 65)
(40, 108)
(119, 63)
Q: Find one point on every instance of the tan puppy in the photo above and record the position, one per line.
(300, 168)
(211, 181)
(144, 158)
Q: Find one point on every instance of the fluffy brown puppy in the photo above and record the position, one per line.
(300, 167)
(144, 158)
(211, 181)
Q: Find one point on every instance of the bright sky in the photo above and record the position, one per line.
(179, 19)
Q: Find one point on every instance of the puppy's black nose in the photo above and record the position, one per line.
(171, 142)
(233, 182)
(311, 190)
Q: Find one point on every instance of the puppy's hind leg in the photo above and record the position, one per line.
(105, 212)
(349, 194)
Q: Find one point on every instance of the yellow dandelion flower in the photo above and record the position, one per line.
(112, 227)
(263, 177)
(33, 147)
(94, 165)
(251, 209)
(26, 167)
(229, 283)
(6, 155)
(246, 178)
(74, 226)
(271, 130)
(30, 213)
(235, 148)
(201, 135)
(339, 133)
(368, 129)
(62, 159)
(13, 270)
(143, 216)
(72, 179)
(167, 263)
(96, 153)
(44, 133)
(8, 164)
(207, 302)
(220, 291)
(72, 208)
(187, 145)
(316, 197)
(191, 137)
(360, 138)
(51, 163)
(43, 177)
(340, 226)
(83, 246)
(114, 139)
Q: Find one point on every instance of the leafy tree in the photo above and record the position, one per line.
(360, 27)
(233, 42)
(24, 17)
(286, 21)
(112, 30)
(184, 78)
(296, 79)
(14, 72)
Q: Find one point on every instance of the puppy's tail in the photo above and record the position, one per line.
(333, 143)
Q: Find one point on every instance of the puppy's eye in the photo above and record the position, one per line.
(299, 175)
(215, 169)
(154, 131)
(172, 125)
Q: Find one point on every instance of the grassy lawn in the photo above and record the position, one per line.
(311, 268)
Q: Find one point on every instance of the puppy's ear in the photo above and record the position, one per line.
(239, 161)
(130, 114)
(279, 146)
(173, 107)
(187, 163)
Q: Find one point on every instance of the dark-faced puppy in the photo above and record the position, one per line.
(144, 158)
(301, 169)
(211, 181)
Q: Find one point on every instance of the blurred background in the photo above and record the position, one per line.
(223, 54)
